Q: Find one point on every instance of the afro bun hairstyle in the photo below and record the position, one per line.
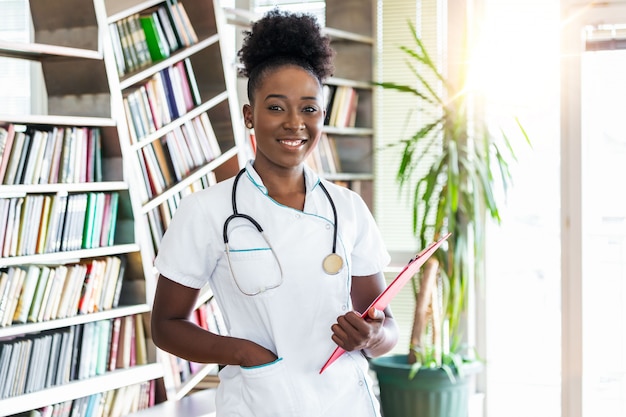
(285, 38)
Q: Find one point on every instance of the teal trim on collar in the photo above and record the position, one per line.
(311, 178)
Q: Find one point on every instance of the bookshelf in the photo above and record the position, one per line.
(141, 135)
(349, 161)
(351, 24)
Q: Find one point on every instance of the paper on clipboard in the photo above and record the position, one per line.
(383, 300)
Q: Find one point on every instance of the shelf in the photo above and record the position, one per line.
(21, 329)
(353, 131)
(78, 389)
(22, 190)
(199, 173)
(68, 256)
(53, 120)
(198, 404)
(39, 51)
(194, 380)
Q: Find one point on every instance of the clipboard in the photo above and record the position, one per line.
(383, 300)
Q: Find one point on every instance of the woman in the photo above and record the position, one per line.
(291, 258)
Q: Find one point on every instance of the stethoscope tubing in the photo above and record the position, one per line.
(256, 224)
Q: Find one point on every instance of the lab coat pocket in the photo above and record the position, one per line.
(268, 392)
(255, 270)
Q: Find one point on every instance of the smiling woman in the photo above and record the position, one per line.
(290, 281)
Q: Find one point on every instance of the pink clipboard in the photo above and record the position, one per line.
(392, 289)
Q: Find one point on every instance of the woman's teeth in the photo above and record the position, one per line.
(292, 142)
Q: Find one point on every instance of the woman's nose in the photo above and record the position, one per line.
(294, 121)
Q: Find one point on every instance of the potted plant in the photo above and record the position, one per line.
(465, 167)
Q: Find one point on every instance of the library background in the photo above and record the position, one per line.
(111, 111)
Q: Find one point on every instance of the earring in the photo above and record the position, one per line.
(249, 125)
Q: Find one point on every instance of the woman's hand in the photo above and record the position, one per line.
(351, 332)
(256, 355)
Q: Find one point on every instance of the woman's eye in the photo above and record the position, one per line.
(310, 109)
(275, 108)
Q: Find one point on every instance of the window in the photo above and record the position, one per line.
(15, 73)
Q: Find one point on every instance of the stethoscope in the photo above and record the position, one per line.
(332, 263)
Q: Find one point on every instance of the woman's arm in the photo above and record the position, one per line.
(173, 332)
(377, 333)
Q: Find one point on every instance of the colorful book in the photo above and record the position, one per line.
(155, 37)
(7, 136)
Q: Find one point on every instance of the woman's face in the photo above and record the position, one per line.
(288, 116)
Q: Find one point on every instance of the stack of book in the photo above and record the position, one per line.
(152, 35)
(30, 155)
(36, 293)
(56, 357)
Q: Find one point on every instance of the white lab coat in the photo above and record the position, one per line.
(293, 320)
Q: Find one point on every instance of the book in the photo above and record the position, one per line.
(145, 110)
(189, 100)
(119, 283)
(133, 132)
(34, 224)
(16, 280)
(176, 83)
(110, 236)
(154, 106)
(141, 351)
(89, 221)
(118, 53)
(80, 156)
(99, 203)
(54, 296)
(45, 299)
(203, 139)
(164, 163)
(103, 345)
(43, 175)
(168, 29)
(57, 155)
(193, 143)
(27, 295)
(37, 298)
(188, 27)
(139, 40)
(193, 83)
(162, 107)
(66, 291)
(97, 154)
(14, 226)
(115, 338)
(123, 360)
(54, 352)
(4, 219)
(34, 160)
(14, 158)
(130, 54)
(208, 129)
(66, 166)
(7, 136)
(155, 36)
(168, 88)
(55, 223)
(154, 171)
(177, 23)
(23, 157)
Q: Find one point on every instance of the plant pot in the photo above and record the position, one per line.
(429, 394)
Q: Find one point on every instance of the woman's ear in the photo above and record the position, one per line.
(247, 116)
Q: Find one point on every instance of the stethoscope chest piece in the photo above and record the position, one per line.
(332, 264)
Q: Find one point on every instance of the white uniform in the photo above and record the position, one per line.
(293, 319)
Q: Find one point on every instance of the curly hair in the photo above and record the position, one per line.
(284, 38)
